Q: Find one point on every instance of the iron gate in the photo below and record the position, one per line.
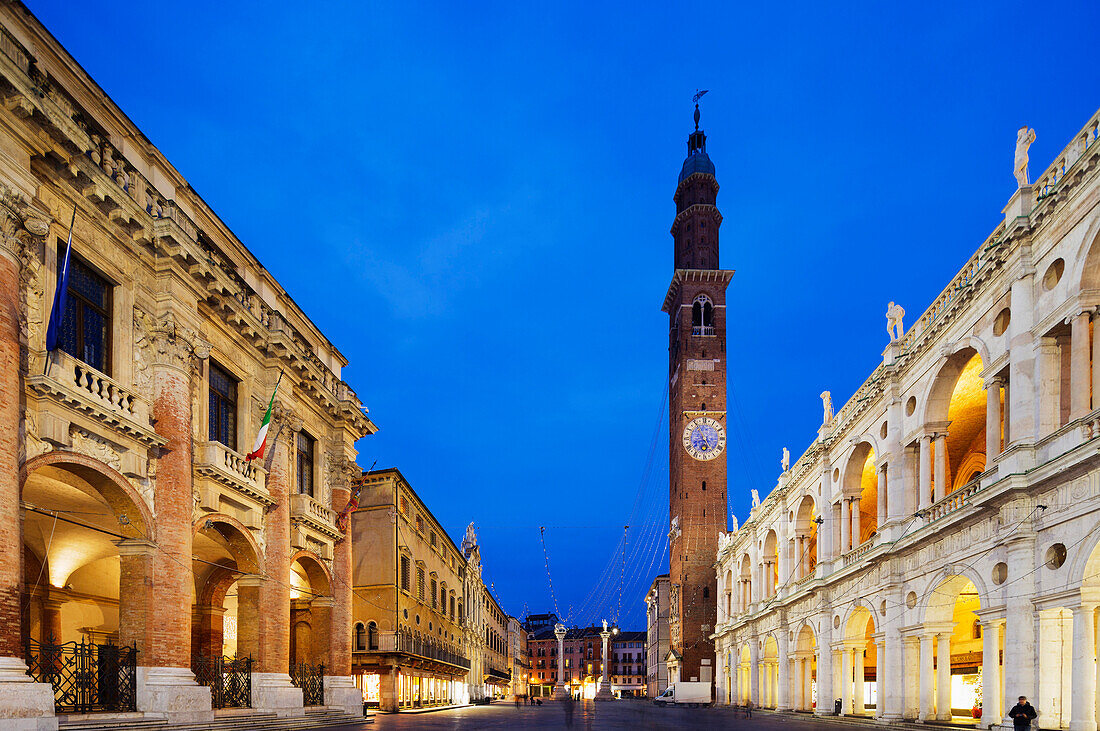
(86, 677)
(229, 680)
(311, 679)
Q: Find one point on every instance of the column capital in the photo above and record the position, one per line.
(167, 342)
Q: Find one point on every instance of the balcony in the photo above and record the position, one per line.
(952, 502)
(229, 468)
(312, 515)
(397, 642)
(702, 330)
(859, 552)
(96, 395)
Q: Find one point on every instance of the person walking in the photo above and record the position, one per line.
(1022, 713)
(569, 710)
(748, 708)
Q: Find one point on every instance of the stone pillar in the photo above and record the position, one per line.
(846, 681)
(1096, 366)
(859, 675)
(272, 689)
(1050, 382)
(1079, 377)
(165, 683)
(925, 498)
(734, 679)
(340, 690)
(604, 693)
(991, 671)
(1082, 715)
(992, 420)
(856, 528)
(1020, 658)
(1022, 378)
(940, 486)
(389, 689)
(880, 677)
(845, 524)
(892, 663)
(754, 672)
(783, 673)
(927, 677)
(825, 690)
(560, 689)
(51, 619)
(808, 683)
(883, 492)
(943, 676)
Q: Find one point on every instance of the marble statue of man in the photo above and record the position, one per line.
(894, 327)
(827, 402)
(786, 459)
(1024, 137)
(733, 524)
(755, 498)
(471, 537)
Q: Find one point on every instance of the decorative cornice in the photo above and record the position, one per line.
(683, 276)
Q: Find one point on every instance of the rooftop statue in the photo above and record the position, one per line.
(894, 327)
(827, 402)
(755, 498)
(1024, 137)
(786, 462)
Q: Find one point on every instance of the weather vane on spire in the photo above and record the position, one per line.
(695, 99)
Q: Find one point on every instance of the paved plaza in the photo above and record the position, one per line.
(634, 715)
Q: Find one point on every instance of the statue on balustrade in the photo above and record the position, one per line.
(1024, 137)
(894, 327)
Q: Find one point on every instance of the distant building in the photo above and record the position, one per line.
(519, 662)
(536, 622)
(657, 607)
(627, 670)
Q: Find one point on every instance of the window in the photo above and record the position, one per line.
(420, 524)
(372, 636)
(452, 609)
(420, 583)
(86, 324)
(404, 506)
(435, 596)
(405, 573)
(223, 407)
(443, 599)
(360, 637)
(432, 539)
(306, 444)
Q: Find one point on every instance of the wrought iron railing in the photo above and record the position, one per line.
(229, 679)
(86, 677)
(311, 679)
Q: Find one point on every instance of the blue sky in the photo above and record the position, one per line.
(474, 206)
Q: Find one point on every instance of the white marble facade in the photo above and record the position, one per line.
(936, 550)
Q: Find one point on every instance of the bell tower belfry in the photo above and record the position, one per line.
(696, 306)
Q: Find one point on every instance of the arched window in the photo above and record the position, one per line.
(360, 637)
(372, 635)
(702, 316)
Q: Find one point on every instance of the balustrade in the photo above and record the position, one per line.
(952, 502)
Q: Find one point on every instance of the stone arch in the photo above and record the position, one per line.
(860, 480)
(956, 404)
(805, 637)
(123, 498)
(234, 536)
(949, 581)
(1084, 560)
(857, 607)
(320, 578)
(937, 395)
(1087, 260)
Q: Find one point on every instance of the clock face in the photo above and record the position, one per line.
(704, 438)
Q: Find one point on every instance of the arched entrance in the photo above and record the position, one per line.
(859, 507)
(87, 546)
(958, 684)
(744, 675)
(858, 663)
(310, 610)
(226, 614)
(956, 423)
(805, 539)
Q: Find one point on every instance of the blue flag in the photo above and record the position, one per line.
(61, 296)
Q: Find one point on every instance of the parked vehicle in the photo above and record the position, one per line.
(685, 694)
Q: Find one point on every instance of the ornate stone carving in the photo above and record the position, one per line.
(95, 447)
(32, 446)
(168, 342)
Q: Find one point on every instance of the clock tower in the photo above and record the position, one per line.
(696, 307)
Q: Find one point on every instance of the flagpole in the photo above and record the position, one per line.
(59, 299)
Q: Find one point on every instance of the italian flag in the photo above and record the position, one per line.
(261, 438)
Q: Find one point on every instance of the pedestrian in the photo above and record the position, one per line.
(569, 710)
(1022, 713)
(517, 702)
(748, 708)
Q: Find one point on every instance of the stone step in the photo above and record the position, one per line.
(237, 720)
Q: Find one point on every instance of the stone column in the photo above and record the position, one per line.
(846, 681)
(992, 420)
(1049, 396)
(754, 672)
(165, 683)
(604, 693)
(1022, 376)
(1096, 366)
(941, 467)
(51, 619)
(825, 690)
(1082, 715)
(858, 674)
(845, 524)
(856, 529)
(734, 680)
(925, 498)
(1020, 650)
(991, 670)
(808, 683)
(943, 676)
(927, 677)
(272, 689)
(880, 677)
(560, 690)
(883, 492)
(892, 662)
(389, 689)
(783, 673)
(340, 687)
(1079, 377)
